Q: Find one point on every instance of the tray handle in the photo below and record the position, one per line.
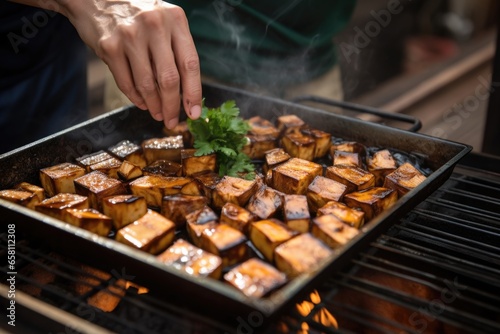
(416, 124)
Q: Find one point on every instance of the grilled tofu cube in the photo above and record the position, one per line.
(346, 159)
(296, 212)
(353, 177)
(128, 151)
(226, 242)
(128, 171)
(301, 254)
(56, 205)
(372, 201)
(181, 129)
(258, 145)
(262, 127)
(265, 203)
(255, 278)
(267, 234)
(124, 209)
(274, 158)
(298, 144)
(89, 219)
(166, 148)
(151, 233)
(21, 197)
(323, 190)
(350, 216)
(322, 141)
(192, 164)
(154, 188)
(110, 167)
(404, 178)
(192, 260)
(38, 191)
(199, 221)
(285, 122)
(295, 175)
(176, 207)
(96, 186)
(207, 183)
(233, 190)
(332, 231)
(236, 217)
(163, 168)
(59, 178)
(380, 164)
(348, 146)
(93, 158)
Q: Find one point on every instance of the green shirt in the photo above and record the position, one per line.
(269, 43)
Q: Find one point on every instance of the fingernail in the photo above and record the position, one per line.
(195, 111)
(158, 117)
(172, 123)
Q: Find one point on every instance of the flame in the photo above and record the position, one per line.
(322, 316)
(140, 289)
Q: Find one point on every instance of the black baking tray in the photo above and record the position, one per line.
(212, 297)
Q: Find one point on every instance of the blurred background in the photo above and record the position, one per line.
(431, 60)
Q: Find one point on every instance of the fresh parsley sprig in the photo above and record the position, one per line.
(221, 131)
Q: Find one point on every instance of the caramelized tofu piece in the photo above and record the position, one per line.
(323, 190)
(322, 141)
(226, 242)
(262, 127)
(192, 260)
(151, 233)
(199, 221)
(267, 234)
(128, 171)
(88, 219)
(110, 167)
(96, 186)
(181, 129)
(258, 145)
(166, 148)
(233, 190)
(346, 159)
(350, 216)
(21, 197)
(404, 178)
(154, 188)
(59, 178)
(176, 207)
(300, 255)
(348, 146)
(163, 168)
(298, 144)
(296, 212)
(332, 231)
(372, 201)
(192, 164)
(274, 158)
(255, 278)
(236, 217)
(124, 209)
(128, 151)
(56, 205)
(207, 183)
(266, 203)
(93, 158)
(285, 122)
(353, 177)
(295, 175)
(38, 191)
(380, 164)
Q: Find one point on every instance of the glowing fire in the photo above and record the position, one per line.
(322, 316)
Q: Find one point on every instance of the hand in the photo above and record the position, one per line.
(149, 50)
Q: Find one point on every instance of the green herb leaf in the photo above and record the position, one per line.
(221, 131)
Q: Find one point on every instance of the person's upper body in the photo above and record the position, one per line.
(266, 43)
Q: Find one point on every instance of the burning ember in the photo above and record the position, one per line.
(322, 315)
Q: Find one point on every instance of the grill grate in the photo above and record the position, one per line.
(437, 270)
